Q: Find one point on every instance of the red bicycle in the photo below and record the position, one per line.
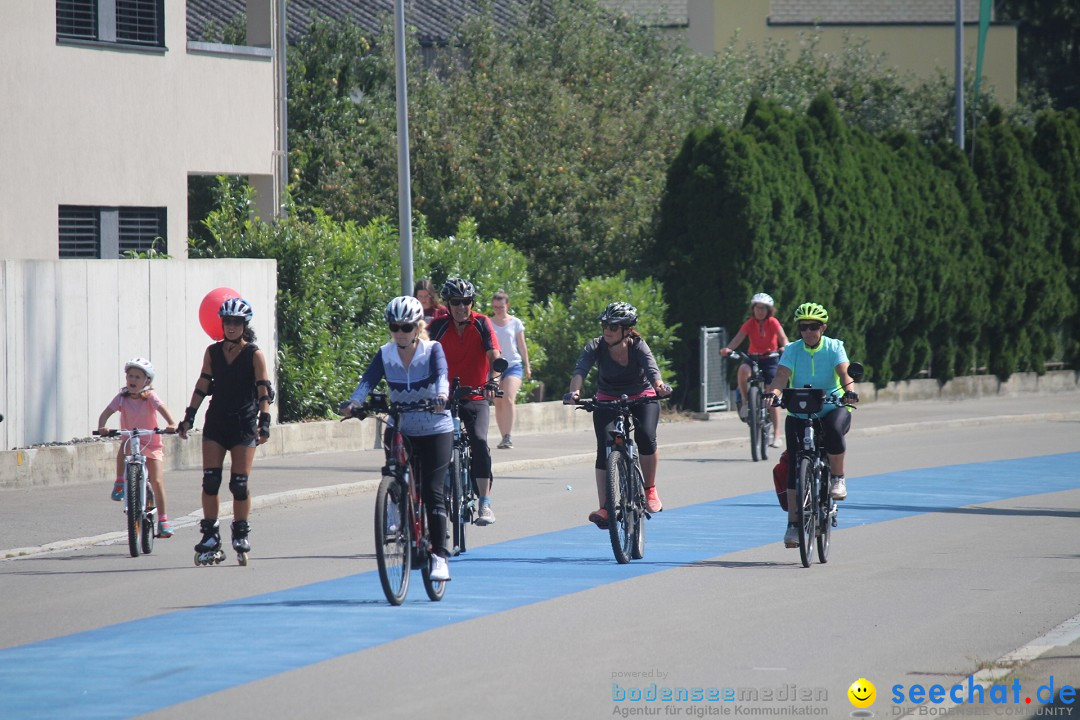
(402, 537)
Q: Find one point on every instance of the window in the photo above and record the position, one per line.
(127, 22)
(102, 232)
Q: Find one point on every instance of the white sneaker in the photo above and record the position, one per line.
(791, 537)
(485, 516)
(838, 488)
(440, 569)
(506, 443)
(775, 441)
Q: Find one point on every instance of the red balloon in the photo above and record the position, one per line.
(208, 311)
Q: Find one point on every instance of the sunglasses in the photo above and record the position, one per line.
(612, 326)
(461, 301)
(809, 327)
(403, 327)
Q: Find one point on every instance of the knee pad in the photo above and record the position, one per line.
(211, 480)
(238, 486)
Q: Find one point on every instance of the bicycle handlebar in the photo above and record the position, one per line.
(623, 403)
(739, 356)
(378, 405)
(133, 431)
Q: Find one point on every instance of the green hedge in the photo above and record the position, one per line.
(923, 262)
(334, 280)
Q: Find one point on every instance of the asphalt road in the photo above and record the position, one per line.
(957, 546)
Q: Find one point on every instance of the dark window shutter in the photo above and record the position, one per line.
(80, 232)
(142, 229)
(139, 22)
(76, 19)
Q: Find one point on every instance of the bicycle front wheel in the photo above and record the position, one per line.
(149, 520)
(637, 549)
(804, 493)
(434, 588)
(458, 480)
(826, 513)
(620, 514)
(764, 430)
(753, 420)
(393, 532)
(133, 482)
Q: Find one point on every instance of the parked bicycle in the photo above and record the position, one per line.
(138, 499)
(757, 409)
(402, 539)
(463, 499)
(625, 483)
(817, 510)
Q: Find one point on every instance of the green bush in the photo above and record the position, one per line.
(563, 330)
(926, 265)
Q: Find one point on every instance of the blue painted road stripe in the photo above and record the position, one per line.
(257, 637)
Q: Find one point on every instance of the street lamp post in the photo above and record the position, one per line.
(404, 185)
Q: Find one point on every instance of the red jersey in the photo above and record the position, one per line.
(466, 353)
(764, 336)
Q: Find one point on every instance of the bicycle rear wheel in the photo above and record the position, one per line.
(434, 588)
(827, 510)
(620, 515)
(753, 419)
(637, 549)
(133, 481)
(393, 531)
(804, 492)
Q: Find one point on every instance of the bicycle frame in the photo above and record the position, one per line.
(625, 520)
(136, 493)
(400, 489)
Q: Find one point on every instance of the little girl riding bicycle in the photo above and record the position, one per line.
(139, 407)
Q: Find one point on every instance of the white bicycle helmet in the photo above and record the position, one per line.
(236, 307)
(404, 309)
(143, 364)
(763, 299)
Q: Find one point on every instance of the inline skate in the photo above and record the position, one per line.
(240, 530)
(208, 551)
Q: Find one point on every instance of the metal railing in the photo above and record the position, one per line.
(714, 385)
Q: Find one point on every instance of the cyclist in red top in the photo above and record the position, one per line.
(766, 336)
(469, 342)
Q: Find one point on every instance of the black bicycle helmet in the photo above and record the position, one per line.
(619, 313)
(458, 288)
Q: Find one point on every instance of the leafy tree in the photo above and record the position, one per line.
(1048, 51)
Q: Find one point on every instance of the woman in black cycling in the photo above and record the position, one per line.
(625, 366)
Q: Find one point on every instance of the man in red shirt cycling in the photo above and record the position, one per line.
(469, 342)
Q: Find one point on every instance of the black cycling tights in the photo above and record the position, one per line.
(646, 416)
(431, 458)
(834, 426)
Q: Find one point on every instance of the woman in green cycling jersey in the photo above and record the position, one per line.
(820, 362)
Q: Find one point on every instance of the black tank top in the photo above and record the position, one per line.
(235, 392)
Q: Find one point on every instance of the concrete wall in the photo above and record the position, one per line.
(109, 126)
(68, 326)
(90, 461)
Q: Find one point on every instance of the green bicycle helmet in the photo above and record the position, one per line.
(811, 311)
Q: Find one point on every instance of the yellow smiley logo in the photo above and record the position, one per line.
(862, 693)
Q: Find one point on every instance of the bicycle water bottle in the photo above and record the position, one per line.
(457, 428)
